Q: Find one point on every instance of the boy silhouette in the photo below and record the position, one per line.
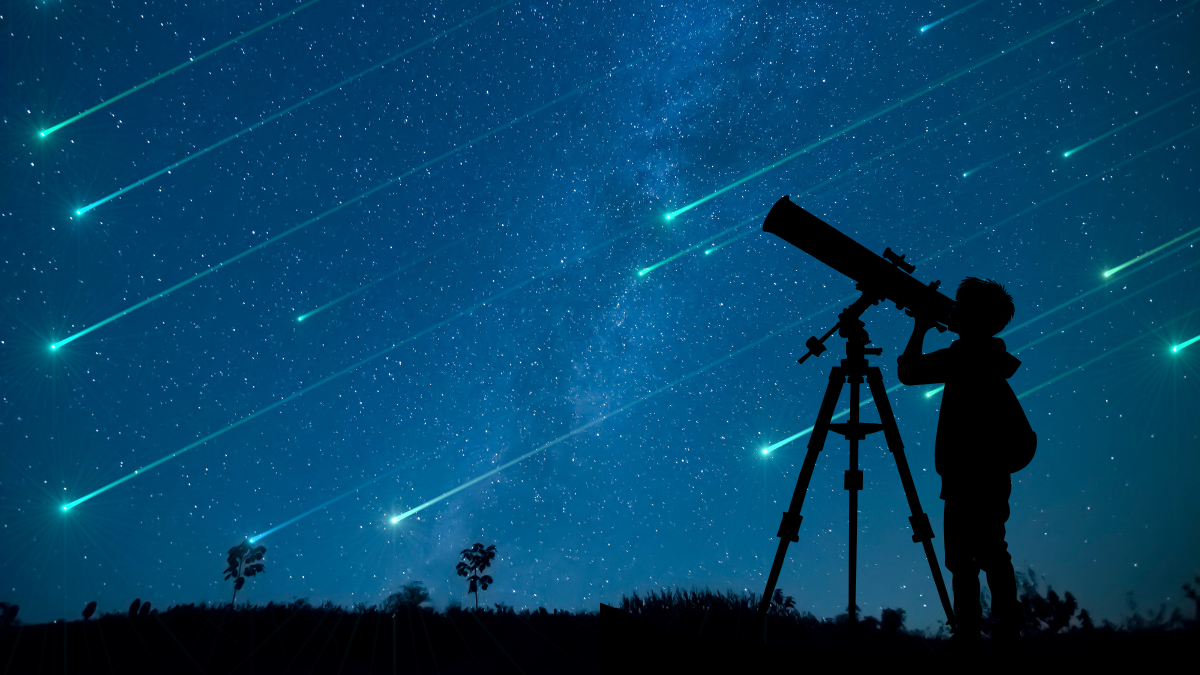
(982, 436)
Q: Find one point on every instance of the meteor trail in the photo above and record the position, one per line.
(46, 132)
(578, 430)
(199, 153)
(1135, 120)
(729, 241)
(1103, 355)
(911, 97)
(389, 275)
(644, 271)
(348, 202)
(338, 498)
(950, 16)
(1156, 249)
(775, 446)
(1181, 345)
(349, 369)
(1074, 187)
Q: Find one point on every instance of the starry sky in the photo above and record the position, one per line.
(500, 187)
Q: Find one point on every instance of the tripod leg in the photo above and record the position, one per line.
(922, 531)
(789, 527)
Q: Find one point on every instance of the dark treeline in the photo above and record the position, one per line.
(669, 631)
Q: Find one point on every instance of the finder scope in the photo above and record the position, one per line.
(883, 277)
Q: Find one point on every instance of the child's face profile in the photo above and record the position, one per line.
(965, 318)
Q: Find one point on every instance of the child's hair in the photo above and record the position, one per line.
(991, 305)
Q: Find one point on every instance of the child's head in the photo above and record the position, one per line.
(982, 308)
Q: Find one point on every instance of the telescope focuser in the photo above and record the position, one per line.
(898, 260)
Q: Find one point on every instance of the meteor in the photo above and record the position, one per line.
(46, 132)
(1156, 249)
(599, 420)
(731, 240)
(389, 275)
(775, 446)
(1066, 191)
(1181, 345)
(336, 499)
(1135, 120)
(1103, 355)
(351, 368)
(353, 200)
(906, 99)
(644, 271)
(1080, 320)
(199, 153)
(950, 16)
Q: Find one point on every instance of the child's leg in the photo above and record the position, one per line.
(997, 562)
(959, 526)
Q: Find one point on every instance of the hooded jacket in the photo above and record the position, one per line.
(977, 415)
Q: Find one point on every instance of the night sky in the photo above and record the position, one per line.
(515, 313)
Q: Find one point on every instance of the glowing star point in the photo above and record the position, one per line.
(185, 64)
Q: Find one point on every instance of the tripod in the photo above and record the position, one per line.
(853, 369)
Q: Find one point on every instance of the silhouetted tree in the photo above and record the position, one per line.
(89, 610)
(244, 561)
(145, 610)
(8, 614)
(134, 607)
(475, 560)
(411, 594)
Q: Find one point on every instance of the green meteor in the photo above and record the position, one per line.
(906, 99)
(1065, 191)
(1135, 120)
(349, 369)
(1105, 354)
(1181, 345)
(199, 153)
(950, 15)
(330, 502)
(599, 420)
(389, 275)
(354, 200)
(1156, 249)
(46, 132)
(730, 241)
(1087, 316)
(775, 446)
(644, 271)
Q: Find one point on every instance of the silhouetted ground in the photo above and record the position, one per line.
(696, 632)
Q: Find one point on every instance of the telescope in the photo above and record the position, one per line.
(886, 277)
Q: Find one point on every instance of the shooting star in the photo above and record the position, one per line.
(351, 368)
(951, 15)
(204, 151)
(1132, 122)
(731, 240)
(46, 132)
(331, 502)
(1108, 273)
(1076, 322)
(1181, 345)
(385, 277)
(599, 420)
(646, 270)
(353, 200)
(906, 99)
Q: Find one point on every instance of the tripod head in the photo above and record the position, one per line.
(851, 327)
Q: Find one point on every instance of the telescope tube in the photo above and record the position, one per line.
(877, 277)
